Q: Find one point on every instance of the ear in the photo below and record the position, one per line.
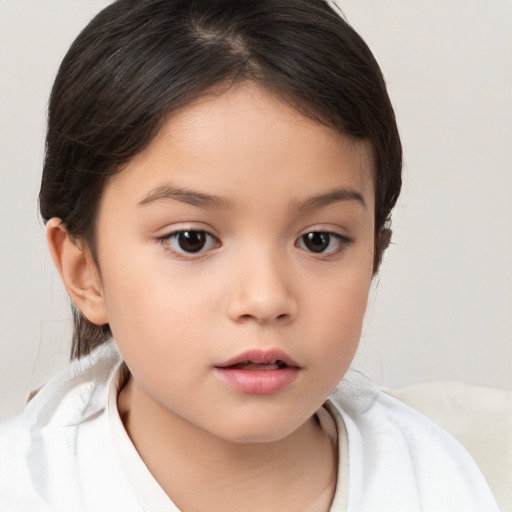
(78, 272)
(382, 241)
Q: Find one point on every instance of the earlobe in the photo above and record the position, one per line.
(77, 271)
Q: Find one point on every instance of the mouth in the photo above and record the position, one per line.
(259, 372)
(252, 366)
(259, 359)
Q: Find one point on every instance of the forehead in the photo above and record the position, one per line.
(248, 139)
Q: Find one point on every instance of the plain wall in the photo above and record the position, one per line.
(441, 308)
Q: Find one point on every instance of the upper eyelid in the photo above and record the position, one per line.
(344, 241)
(176, 232)
(181, 230)
(339, 231)
(169, 230)
(184, 255)
(344, 238)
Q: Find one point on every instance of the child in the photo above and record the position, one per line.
(217, 189)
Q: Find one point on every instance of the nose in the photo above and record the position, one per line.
(261, 291)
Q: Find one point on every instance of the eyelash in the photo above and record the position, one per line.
(171, 238)
(342, 242)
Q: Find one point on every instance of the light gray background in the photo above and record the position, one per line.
(441, 308)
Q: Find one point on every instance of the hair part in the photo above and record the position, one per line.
(138, 61)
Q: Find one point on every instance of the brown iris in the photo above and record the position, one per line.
(192, 241)
(316, 241)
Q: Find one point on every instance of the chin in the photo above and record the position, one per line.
(259, 431)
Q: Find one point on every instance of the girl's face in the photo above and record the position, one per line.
(236, 255)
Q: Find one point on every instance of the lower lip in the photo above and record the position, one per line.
(258, 382)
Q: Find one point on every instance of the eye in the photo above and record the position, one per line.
(323, 242)
(190, 241)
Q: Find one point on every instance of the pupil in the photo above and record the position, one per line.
(316, 242)
(191, 241)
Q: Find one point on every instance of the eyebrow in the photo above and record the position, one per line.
(203, 200)
(333, 196)
(184, 195)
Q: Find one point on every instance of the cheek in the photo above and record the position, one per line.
(156, 307)
(339, 307)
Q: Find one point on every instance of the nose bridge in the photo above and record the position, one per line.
(262, 290)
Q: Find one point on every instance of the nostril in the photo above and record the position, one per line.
(247, 317)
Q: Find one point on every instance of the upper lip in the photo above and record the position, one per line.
(259, 356)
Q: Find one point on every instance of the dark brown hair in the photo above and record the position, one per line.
(139, 60)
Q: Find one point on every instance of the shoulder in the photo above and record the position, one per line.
(399, 457)
(74, 394)
(60, 447)
(479, 417)
(8, 433)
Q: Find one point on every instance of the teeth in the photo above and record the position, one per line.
(274, 361)
(275, 364)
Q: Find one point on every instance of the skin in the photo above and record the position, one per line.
(176, 315)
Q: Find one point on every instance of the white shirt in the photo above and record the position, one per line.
(69, 452)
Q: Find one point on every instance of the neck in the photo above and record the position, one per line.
(200, 471)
